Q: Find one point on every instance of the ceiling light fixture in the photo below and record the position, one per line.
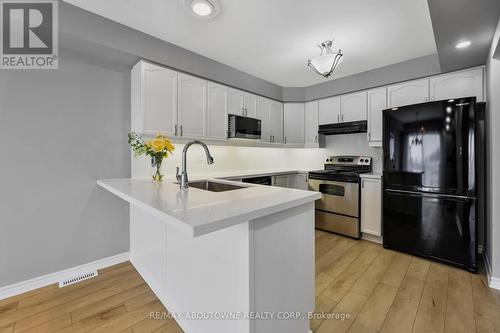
(327, 61)
(463, 44)
(204, 9)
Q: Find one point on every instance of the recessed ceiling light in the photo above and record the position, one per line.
(203, 8)
(463, 44)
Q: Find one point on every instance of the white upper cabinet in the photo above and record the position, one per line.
(329, 110)
(263, 113)
(468, 83)
(250, 105)
(218, 98)
(276, 122)
(294, 123)
(242, 103)
(236, 102)
(353, 107)
(271, 115)
(192, 110)
(377, 101)
(371, 206)
(156, 97)
(407, 93)
(311, 123)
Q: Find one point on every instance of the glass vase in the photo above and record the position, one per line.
(156, 169)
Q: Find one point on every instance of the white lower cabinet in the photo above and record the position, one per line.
(371, 206)
(280, 181)
(298, 181)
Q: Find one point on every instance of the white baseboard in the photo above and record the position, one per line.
(45, 280)
(493, 282)
(372, 238)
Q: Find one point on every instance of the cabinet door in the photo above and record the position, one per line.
(263, 113)
(298, 181)
(407, 93)
(312, 114)
(218, 96)
(250, 105)
(461, 84)
(294, 123)
(236, 102)
(329, 110)
(371, 206)
(377, 101)
(276, 121)
(353, 107)
(192, 106)
(281, 181)
(159, 100)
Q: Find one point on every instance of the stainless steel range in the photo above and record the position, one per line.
(339, 183)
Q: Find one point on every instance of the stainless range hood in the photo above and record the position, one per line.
(344, 128)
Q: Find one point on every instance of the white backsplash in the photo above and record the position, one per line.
(235, 158)
(354, 144)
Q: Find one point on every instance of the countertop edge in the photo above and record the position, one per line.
(196, 231)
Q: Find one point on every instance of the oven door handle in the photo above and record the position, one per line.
(332, 189)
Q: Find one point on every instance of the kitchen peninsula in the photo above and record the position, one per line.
(237, 254)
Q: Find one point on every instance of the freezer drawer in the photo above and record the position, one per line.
(438, 227)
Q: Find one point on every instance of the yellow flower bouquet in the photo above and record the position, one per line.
(158, 149)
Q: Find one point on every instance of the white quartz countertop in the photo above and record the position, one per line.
(376, 175)
(199, 212)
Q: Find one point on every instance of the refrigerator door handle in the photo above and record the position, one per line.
(431, 195)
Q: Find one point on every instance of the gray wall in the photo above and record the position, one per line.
(60, 130)
(492, 249)
(403, 71)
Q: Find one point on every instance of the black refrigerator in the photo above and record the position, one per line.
(429, 181)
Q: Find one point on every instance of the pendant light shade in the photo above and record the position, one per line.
(327, 61)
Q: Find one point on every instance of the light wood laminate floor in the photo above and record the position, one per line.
(360, 287)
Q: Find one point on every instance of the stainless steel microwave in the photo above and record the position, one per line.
(241, 127)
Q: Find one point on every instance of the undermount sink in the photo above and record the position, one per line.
(214, 186)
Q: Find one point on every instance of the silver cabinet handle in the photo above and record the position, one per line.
(369, 136)
(270, 138)
(338, 118)
(316, 139)
(285, 139)
(181, 130)
(175, 130)
(273, 138)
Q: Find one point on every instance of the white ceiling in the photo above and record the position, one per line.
(272, 39)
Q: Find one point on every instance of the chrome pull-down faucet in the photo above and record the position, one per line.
(182, 178)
